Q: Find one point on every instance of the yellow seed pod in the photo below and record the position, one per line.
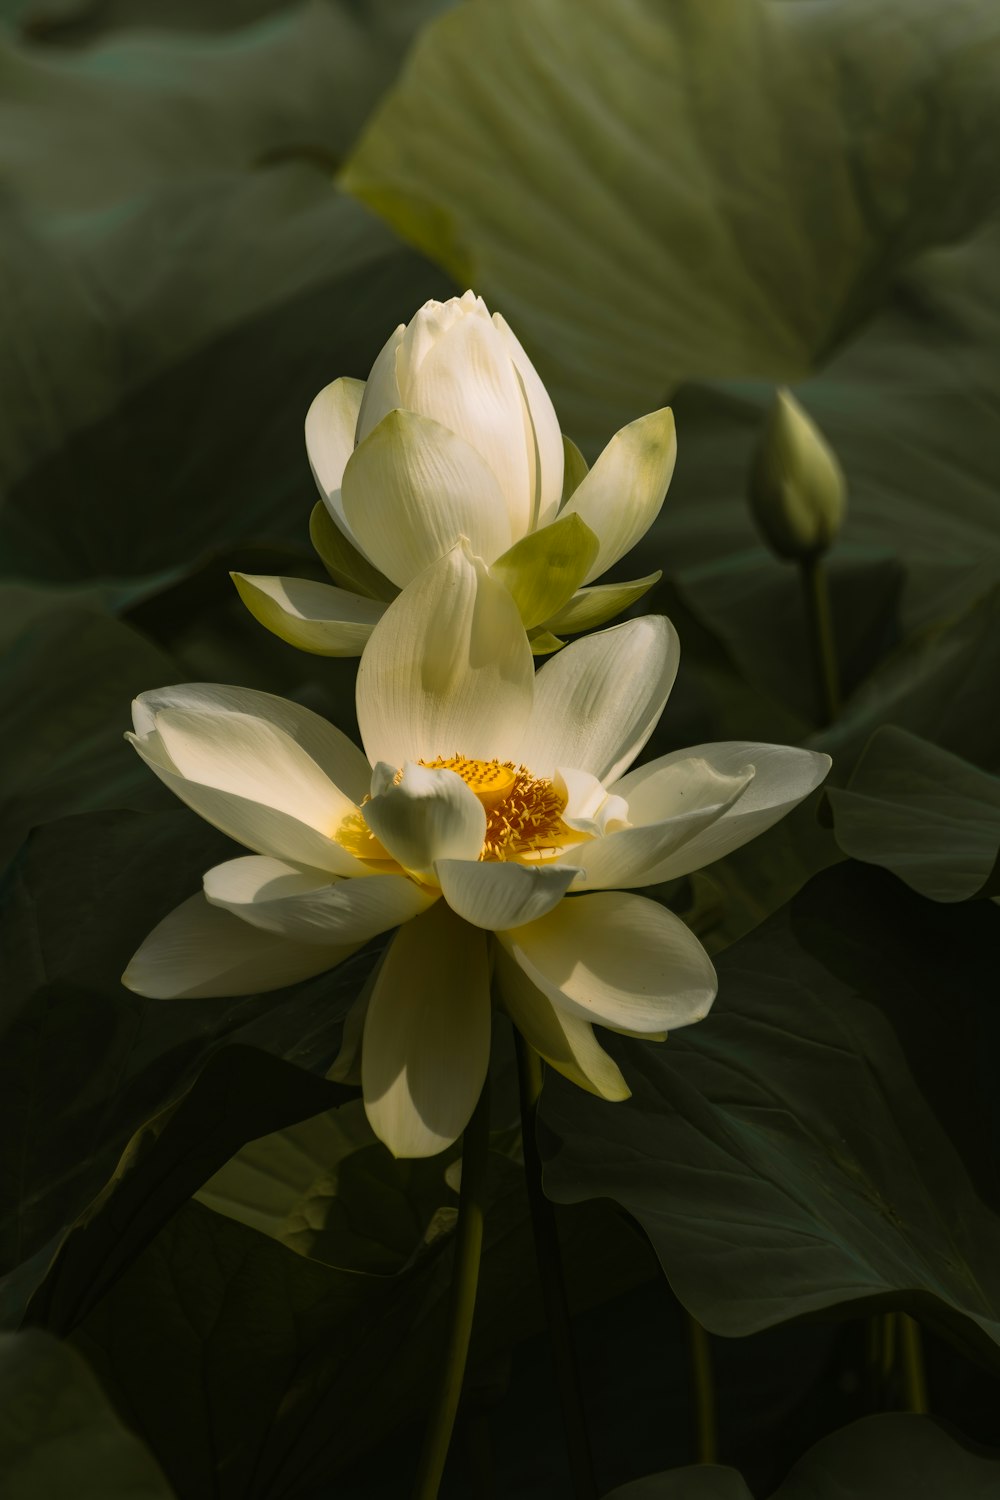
(797, 490)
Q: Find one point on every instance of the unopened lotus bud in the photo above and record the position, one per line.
(797, 489)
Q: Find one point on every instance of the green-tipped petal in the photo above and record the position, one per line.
(543, 569)
(345, 564)
(312, 616)
(622, 495)
(543, 643)
(575, 468)
(594, 606)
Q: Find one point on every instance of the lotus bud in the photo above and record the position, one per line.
(797, 489)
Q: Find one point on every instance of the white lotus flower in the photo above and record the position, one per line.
(455, 435)
(493, 819)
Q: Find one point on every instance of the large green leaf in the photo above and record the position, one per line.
(827, 1135)
(328, 1189)
(171, 367)
(656, 193)
(880, 1458)
(85, 1064)
(59, 1438)
(66, 683)
(241, 1093)
(311, 1364)
(926, 815)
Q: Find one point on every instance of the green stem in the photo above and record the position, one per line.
(464, 1281)
(912, 1356)
(820, 624)
(543, 1221)
(704, 1391)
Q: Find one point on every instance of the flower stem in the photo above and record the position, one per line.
(820, 623)
(543, 1221)
(912, 1356)
(464, 1281)
(704, 1391)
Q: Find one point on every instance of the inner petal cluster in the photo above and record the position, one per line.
(523, 812)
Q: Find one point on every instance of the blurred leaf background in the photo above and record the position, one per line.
(206, 214)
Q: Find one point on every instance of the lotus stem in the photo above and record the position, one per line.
(550, 1273)
(704, 1392)
(464, 1282)
(820, 623)
(912, 1357)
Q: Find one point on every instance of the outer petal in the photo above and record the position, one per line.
(312, 616)
(330, 424)
(381, 394)
(265, 829)
(448, 669)
(543, 569)
(566, 1041)
(199, 951)
(344, 560)
(429, 814)
(545, 444)
(621, 496)
(496, 895)
(783, 776)
(630, 857)
(427, 1034)
(466, 382)
(599, 603)
(332, 751)
(597, 702)
(310, 907)
(618, 959)
(413, 488)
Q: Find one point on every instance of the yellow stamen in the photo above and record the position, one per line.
(523, 812)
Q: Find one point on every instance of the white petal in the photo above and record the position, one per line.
(427, 1034)
(254, 824)
(312, 616)
(330, 424)
(545, 447)
(783, 776)
(567, 1042)
(618, 959)
(621, 496)
(629, 857)
(199, 950)
(310, 907)
(425, 816)
(448, 669)
(413, 488)
(338, 756)
(467, 383)
(589, 808)
(381, 394)
(495, 894)
(597, 702)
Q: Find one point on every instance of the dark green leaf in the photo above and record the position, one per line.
(828, 1134)
(59, 1438)
(921, 812)
(880, 1458)
(85, 1063)
(593, 195)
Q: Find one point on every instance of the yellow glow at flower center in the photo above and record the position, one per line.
(523, 813)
